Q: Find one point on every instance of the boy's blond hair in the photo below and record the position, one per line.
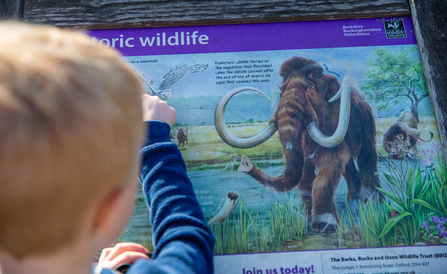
(70, 129)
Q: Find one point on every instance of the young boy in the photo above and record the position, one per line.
(70, 132)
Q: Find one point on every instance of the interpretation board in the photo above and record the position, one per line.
(292, 175)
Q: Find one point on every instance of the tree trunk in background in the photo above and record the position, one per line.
(11, 9)
(430, 25)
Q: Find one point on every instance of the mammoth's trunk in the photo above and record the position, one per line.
(284, 182)
(290, 134)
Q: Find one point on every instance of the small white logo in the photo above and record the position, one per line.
(395, 29)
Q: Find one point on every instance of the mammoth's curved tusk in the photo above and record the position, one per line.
(229, 138)
(230, 203)
(338, 94)
(343, 119)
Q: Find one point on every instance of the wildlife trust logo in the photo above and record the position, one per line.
(395, 29)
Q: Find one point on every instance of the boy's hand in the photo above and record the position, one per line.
(122, 253)
(156, 109)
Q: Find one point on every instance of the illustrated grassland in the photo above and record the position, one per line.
(282, 225)
(207, 148)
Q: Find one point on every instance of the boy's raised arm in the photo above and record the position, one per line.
(182, 240)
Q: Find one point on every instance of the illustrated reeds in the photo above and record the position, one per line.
(373, 218)
(232, 236)
(414, 194)
(248, 231)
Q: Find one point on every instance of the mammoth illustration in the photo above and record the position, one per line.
(321, 137)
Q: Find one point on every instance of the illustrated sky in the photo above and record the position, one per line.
(339, 62)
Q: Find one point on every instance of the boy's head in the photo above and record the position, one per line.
(70, 129)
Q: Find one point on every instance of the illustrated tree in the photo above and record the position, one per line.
(395, 76)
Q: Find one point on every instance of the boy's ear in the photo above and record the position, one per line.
(112, 213)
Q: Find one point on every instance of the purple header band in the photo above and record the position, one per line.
(256, 37)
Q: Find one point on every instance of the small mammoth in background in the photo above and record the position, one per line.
(400, 141)
(326, 129)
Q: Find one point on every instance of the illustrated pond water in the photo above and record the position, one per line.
(211, 187)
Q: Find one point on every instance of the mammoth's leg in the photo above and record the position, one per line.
(305, 185)
(331, 163)
(353, 182)
(367, 163)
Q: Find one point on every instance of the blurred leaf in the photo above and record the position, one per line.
(391, 196)
(425, 204)
(421, 195)
(410, 183)
(390, 208)
(441, 201)
(393, 221)
(391, 179)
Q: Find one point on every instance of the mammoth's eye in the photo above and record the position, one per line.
(310, 75)
(314, 74)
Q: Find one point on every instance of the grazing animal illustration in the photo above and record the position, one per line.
(182, 136)
(171, 78)
(321, 138)
(172, 134)
(400, 140)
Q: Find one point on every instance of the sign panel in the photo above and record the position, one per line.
(312, 146)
